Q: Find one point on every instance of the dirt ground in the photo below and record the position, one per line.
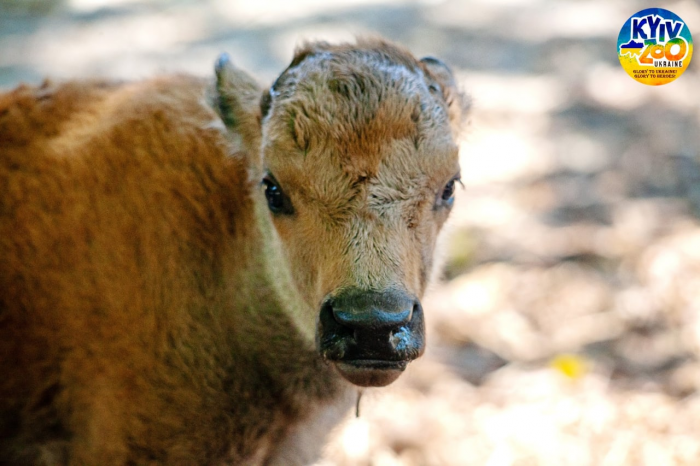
(565, 329)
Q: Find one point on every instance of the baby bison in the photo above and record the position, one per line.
(204, 274)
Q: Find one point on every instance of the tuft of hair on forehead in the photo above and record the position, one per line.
(378, 51)
(354, 98)
(376, 47)
(372, 49)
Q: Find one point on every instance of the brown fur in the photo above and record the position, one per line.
(146, 312)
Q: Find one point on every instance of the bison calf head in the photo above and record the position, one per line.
(358, 168)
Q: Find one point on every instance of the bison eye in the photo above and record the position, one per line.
(448, 193)
(277, 201)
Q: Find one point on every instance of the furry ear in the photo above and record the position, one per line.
(458, 103)
(236, 98)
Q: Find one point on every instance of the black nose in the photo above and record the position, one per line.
(373, 311)
(371, 335)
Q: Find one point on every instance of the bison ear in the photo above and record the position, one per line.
(458, 103)
(236, 98)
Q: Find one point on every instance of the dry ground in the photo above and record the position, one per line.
(566, 328)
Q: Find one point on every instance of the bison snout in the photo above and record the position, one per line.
(371, 336)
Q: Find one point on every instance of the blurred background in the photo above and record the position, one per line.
(565, 328)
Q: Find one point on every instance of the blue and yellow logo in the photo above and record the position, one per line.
(654, 46)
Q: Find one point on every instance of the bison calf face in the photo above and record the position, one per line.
(360, 166)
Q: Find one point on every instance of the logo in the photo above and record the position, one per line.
(654, 46)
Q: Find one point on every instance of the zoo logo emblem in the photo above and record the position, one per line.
(654, 46)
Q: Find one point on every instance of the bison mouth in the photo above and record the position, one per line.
(370, 373)
(371, 337)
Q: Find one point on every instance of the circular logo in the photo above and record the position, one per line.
(654, 46)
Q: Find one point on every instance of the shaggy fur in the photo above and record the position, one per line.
(152, 311)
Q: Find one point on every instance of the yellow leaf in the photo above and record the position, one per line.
(570, 365)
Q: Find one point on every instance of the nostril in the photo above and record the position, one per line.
(333, 328)
(327, 307)
(415, 309)
(339, 318)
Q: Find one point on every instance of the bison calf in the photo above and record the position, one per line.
(202, 274)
